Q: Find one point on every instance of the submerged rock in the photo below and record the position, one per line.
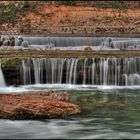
(88, 48)
(36, 105)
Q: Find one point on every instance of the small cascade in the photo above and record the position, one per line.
(2, 79)
(107, 43)
(65, 41)
(127, 44)
(97, 43)
(38, 70)
(95, 71)
(71, 43)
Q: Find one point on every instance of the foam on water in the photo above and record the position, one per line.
(76, 43)
(38, 87)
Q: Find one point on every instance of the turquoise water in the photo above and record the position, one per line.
(106, 112)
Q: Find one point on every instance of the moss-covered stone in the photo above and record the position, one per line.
(9, 63)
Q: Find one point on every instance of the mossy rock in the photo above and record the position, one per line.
(9, 63)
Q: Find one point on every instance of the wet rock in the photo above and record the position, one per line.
(1, 43)
(87, 49)
(12, 41)
(19, 41)
(30, 106)
(6, 42)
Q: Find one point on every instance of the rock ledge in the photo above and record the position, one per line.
(37, 105)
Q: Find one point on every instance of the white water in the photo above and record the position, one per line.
(65, 87)
(87, 71)
(2, 80)
(79, 43)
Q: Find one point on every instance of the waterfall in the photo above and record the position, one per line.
(95, 71)
(75, 43)
(2, 80)
(65, 41)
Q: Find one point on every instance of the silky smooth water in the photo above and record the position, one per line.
(2, 79)
(95, 71)
(74, 43)
(107, 112)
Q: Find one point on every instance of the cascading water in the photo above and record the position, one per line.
(75, 43)
(95, 71)
(78, 43)
(2, 80)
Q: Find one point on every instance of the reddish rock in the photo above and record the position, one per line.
(36, 105)
(50, 94)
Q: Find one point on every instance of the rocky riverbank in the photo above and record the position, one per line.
(68, 20)
(37, 105)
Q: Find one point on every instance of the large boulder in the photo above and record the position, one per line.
(36, 105)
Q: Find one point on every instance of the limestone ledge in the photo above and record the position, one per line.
(11, 58)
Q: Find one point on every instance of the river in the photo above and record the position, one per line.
(108, 112)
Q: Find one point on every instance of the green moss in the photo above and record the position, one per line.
(9, 12)
(7, 63)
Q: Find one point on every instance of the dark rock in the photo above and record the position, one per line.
(12, 41)
(6, 43)
(1, 43)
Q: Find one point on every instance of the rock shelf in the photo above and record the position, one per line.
(37, 105)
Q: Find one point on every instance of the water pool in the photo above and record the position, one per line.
(107, 113)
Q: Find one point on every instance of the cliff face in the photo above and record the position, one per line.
(63, 19)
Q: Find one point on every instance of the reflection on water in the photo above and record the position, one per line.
(109, 112)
